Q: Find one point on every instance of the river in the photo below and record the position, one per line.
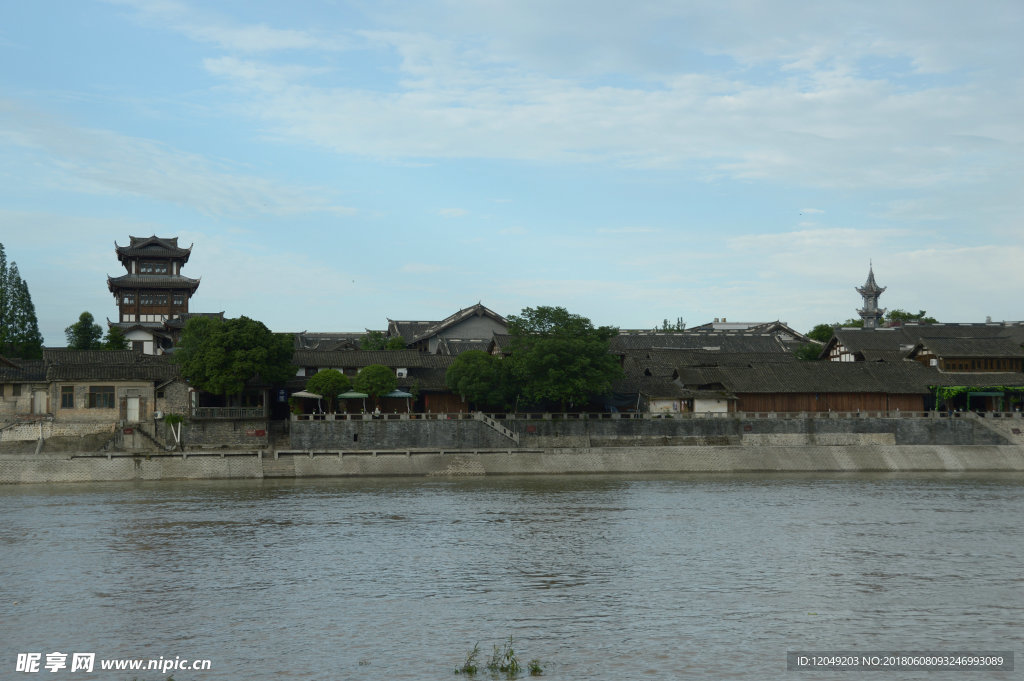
(597, 577)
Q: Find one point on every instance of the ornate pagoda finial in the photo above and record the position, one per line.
(870, 291)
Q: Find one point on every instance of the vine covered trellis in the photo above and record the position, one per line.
(947, 393)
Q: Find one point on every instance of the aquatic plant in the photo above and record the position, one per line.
(469, 667)
(504, 661)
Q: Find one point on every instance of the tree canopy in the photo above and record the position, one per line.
(221, 355)
(330, 383)
(482, 379)
(85, 334)
(375, 380)
(898, 317)
(822, 332)
(19, 329)
(375, 340)
(116, 340)
(560, 357)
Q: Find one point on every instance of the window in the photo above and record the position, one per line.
(101, 397)
(67, 397)
(153, 268)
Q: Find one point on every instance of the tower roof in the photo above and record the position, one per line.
(153, 247)
(870, 288)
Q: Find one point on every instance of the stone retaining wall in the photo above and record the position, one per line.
(674, 459)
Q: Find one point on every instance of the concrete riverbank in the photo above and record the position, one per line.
(473, 446)
(548, 461)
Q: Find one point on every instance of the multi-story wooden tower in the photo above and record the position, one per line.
(870, 291)
(152, 291)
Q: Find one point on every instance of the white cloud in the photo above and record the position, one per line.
(207, 27)
(104, 162)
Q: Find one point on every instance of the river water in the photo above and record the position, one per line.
(598, 577)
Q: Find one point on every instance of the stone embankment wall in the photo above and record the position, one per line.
(469, 447)
(548, 433)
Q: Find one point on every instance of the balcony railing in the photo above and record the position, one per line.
(228, 413)
(594, 416)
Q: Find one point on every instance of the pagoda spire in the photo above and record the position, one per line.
(870, 291)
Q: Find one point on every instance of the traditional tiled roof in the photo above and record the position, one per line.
(152, 247)
(816, 377)
(721, 341)
(413, 331)
(179, 321)
(354, 359)
(63, 364)
(456, 346)
(336, 340)
(973, 347)
(22, 370)
(869, 342)
(152, 281)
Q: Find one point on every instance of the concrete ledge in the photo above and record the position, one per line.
(551, 461)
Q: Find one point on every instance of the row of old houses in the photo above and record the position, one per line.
(718, 367)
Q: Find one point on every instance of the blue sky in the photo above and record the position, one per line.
(340, 163)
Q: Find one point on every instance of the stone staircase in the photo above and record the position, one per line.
(278, 468)
(1010, 428)
(496, 426)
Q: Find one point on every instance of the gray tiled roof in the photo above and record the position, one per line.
(907, 336)
(152, 246)
(412, 331)
(974, 347)
(906, 377)
(22, 370)
(721, 341)
(152, 281)
(63, 364)
(456, 346)
(353, 359)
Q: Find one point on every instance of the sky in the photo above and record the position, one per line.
(340, 163)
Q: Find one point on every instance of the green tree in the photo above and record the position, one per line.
(822, 332)
(482, 379)
(116, 340)
(808, 351)
(561, 357)
(898, 317)
(85, 334)
(375, 380)
(19, 329)
(375, 341)
(220, 355)
(330, 383)
(372, 341)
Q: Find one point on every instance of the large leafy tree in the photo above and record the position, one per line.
(560, 357)
(330, 383)
(375, 340)
(19, 329)
(220, 355)
(822, 332)
(482, 379)
(375, 380)
(116, 340)
(898, 317)
(85, 334)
